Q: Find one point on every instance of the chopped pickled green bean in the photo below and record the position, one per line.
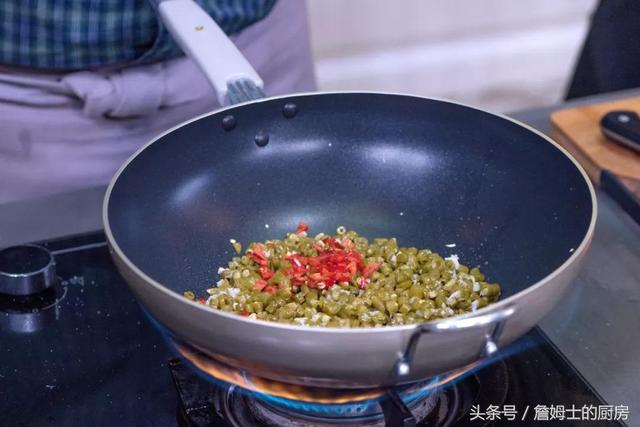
(373, 282)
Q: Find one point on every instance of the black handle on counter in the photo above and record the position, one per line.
(623, 127)
(610, 184)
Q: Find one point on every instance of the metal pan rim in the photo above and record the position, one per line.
(502, 304)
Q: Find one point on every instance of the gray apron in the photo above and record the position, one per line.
(63, 132)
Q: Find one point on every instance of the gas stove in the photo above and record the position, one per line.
(82, 352)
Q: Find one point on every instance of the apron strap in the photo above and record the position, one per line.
(125, 93)
(136, 91)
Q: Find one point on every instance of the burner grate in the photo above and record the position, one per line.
(204, 403)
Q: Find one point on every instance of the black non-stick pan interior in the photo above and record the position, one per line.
(431, 173)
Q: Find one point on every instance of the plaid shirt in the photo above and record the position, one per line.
(82, 34)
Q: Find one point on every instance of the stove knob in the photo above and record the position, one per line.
(26, 270)
(30, 313)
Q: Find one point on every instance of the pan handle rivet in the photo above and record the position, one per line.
(261, 139)
(289, 110)
(228, 122)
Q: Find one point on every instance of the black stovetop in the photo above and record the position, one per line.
(94, 358)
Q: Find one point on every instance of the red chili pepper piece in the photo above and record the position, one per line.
(370, 269)
(266, 273)
(260, 285)
(201, 300)
(352, 267)
(258, 256)
(244, 313)
(337, 262)
(302, 227)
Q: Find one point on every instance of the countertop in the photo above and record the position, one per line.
(597, 325)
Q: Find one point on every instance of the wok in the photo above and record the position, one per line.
(429, 172)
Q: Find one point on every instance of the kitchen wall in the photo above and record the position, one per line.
(501, 55)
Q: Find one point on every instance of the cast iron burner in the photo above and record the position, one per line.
(395, 407)
(204, 403)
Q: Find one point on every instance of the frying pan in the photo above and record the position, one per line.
(429, 172)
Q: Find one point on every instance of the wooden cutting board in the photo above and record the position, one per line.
(578, 130)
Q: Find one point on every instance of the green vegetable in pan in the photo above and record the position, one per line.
(345, 281)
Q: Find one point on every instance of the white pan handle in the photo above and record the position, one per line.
(202, 40)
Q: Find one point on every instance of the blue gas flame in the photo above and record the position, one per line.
(360, 408)
(355, 409)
